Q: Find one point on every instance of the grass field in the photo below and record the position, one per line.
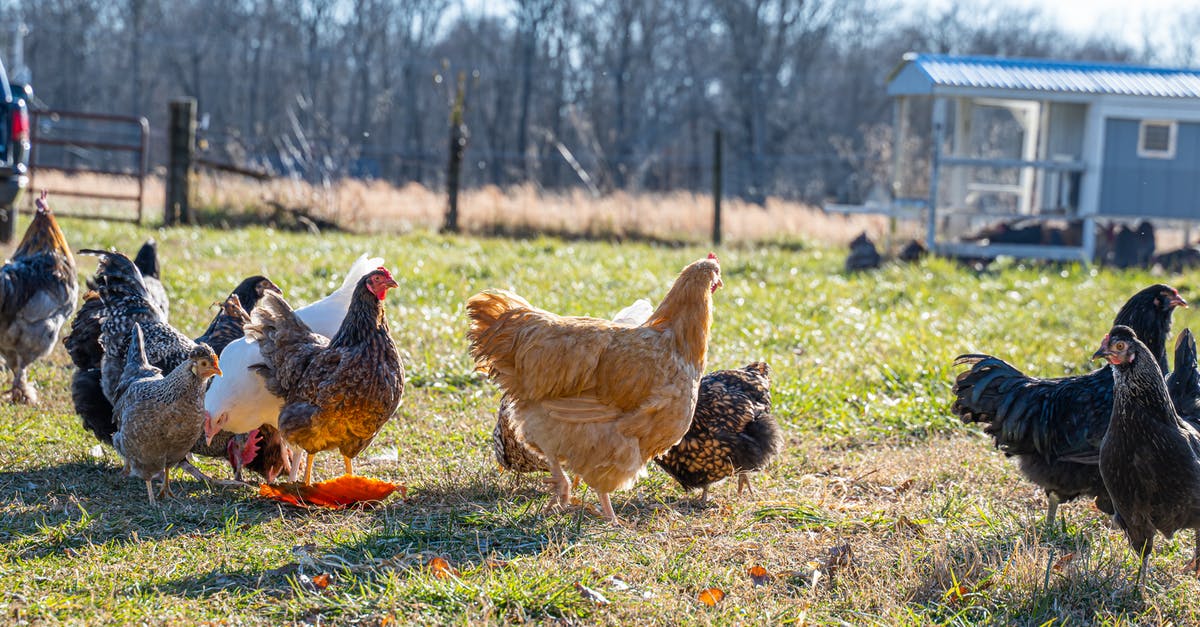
(907, 516)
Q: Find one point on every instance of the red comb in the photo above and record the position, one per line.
(713, 256)
(384, 270)
(250, 448)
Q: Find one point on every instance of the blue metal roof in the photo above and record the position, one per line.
(924, 73)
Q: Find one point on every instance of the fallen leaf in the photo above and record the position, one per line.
(759, 575)
(496, 564)
(711, 596)
(321, 581)
(590, 594)
(441, 568)
(334, 494)
(1062, 562)
(904, 487)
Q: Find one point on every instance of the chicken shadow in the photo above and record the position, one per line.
(73, 504)
(464, 526)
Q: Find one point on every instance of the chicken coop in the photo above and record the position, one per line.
(985, 141)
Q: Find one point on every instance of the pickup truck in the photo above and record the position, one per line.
(14, 151)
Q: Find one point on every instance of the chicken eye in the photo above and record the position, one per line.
(1121, 346)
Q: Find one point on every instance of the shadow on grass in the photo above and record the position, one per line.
(971, 580)
(72, 504)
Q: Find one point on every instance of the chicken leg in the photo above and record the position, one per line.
(744, 482)
(150, 493)
(349, 466)
(166, 484)
(22, 392)
(562, 487)
(308, 469)
(606, 508)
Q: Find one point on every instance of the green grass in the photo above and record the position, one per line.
(940, 528)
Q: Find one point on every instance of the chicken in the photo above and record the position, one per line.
(124, 302)
(239, 401)
(338, 392)
(1183, 385)
(863, 255)
(160, 417)
(1149, 458)
(515, 455)
(599, 397)
(732, 432)
(1054, 426)
(38, 289)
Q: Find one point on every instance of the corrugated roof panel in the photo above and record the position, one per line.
(1056, 76)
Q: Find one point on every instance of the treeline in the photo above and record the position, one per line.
(604, 93)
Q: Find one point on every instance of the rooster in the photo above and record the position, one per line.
(37, 292)
(239, 401)
(1054, 426)
(599, 397)
(1149, 458)
(338, 392)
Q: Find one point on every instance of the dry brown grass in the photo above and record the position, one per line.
(378, 207)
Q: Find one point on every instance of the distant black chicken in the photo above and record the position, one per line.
(1183, 384)
(732, 432)
(863, 255)
(1054, 426)
(1149, 458)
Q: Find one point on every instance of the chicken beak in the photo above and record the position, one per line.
(1102, 352)
(213, 426)
(216, 367)
(1177, 301)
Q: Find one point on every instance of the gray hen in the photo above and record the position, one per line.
(1149, 458)
(160, 417)
(37, 293)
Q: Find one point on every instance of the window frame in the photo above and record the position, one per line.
(1172, 136)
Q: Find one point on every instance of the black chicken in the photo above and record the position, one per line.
(732, 432)
(1149, 458)
(1183, 384)
(1054, 426)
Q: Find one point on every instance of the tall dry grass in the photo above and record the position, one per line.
(379, 207)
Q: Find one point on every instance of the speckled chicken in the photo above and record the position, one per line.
(1183, 384)
(732, 432)
(1054, 426)
(1149, 458)
(38, 288)
(160, 416)
(338, 393)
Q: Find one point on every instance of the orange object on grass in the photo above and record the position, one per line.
(336, 493)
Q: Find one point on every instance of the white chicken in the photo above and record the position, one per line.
(238, 401)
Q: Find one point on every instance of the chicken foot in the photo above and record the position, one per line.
(744, 482)
(22, 392)
(606, 508)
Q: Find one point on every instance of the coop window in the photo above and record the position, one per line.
(1156, 139)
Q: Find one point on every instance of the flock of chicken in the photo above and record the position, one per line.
(597, 398)
(266, 382)
(1125, 435)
